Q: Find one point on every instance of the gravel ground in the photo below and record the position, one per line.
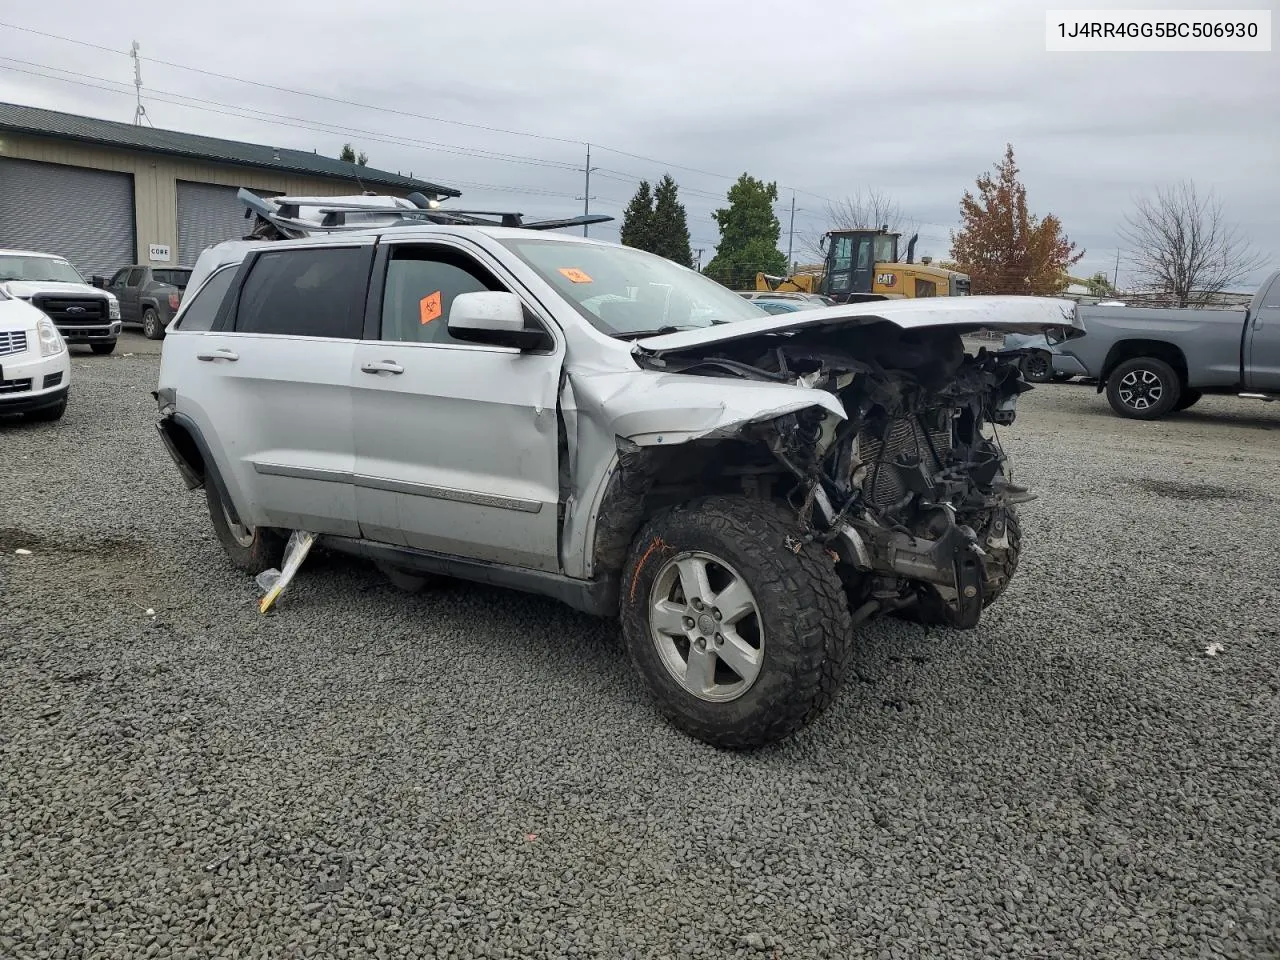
(474, 773)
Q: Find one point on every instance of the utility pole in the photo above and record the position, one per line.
(586, 197)
(791, 231)
(139, 110)
(1115, 278)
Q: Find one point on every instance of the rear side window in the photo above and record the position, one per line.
(305, 293)
(203, 308)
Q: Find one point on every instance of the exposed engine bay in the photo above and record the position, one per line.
(911, 491)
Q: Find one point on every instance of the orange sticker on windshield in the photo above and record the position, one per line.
(575, 275)
(429, 307)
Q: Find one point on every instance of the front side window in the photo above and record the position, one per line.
(118, 279)
(135, 276)
(421, 285)
(203, 308)
(625, 292)
(38, 269)
(305, 293)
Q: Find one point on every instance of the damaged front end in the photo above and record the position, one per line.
(910, 490)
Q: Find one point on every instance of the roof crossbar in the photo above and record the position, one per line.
(282, 216)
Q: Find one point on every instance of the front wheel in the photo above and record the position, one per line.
(102, 349)
(1144, 388)
(739, 631)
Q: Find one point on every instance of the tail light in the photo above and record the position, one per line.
(174, 300)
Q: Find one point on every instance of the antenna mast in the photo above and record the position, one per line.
(139, 112)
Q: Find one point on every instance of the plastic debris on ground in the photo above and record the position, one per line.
(275, 581)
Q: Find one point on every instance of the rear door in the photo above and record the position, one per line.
(1262, 343)
(457, 444)
(270, 384)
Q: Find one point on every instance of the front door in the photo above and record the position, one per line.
(129, 295)
(850, 265)
(457, 444)
(1262, 339)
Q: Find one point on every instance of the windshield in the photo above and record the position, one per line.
(37, 269)
(626, 292)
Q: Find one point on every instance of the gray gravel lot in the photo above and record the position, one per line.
(475, 773)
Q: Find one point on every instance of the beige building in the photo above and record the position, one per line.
(106, 194)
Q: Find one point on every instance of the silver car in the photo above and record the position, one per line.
(587, 421)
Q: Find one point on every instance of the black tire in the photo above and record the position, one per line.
(260, 549)
(799, 616)
(152, 328)
(1037, 368)
(1144, 388)
(102, 349)
(1189, 398)
(49, 414)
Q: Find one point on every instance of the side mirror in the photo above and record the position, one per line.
(494, 317)
(99, 282)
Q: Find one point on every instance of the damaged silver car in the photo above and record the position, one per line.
(461, 395)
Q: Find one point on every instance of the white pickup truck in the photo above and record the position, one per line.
(82, 313)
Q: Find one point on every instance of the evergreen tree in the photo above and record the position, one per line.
(670, 225)
(638, 220)
(749, 234)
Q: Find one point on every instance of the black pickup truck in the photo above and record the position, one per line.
(149, 296)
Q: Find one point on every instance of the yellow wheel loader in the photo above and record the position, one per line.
(864, 265)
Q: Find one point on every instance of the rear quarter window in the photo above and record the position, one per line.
(202, 309)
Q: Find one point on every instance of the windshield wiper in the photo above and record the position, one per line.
(633, 334)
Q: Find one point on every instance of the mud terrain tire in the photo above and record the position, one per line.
(799, 615)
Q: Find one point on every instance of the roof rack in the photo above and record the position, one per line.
(281, 218)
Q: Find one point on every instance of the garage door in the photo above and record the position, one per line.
(209, 213)
(83, 215)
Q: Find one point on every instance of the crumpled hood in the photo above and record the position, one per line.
(29, 288)
(1008, 314)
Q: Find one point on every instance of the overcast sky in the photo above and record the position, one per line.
(827, 98)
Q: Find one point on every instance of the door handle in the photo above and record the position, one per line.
(382, 366)
(219, 354)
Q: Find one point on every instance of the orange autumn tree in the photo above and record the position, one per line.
(1005, 249)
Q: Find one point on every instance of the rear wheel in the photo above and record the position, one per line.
(252, 549)
(1144, 388)
(740, 632)
(1037, 368)
(103, 348)
(152, 328)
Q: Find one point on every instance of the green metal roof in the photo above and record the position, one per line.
(70, 126)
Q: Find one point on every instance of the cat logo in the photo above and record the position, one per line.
(886, 279)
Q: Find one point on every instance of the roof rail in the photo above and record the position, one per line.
(281, 218)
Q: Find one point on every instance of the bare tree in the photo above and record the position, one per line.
(1180, 245)
(864, 210)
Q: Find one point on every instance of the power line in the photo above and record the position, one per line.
(318, 126)
(391, 110)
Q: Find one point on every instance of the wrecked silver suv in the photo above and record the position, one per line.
(446, 395)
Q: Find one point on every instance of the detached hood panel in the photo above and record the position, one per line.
(1007, 314)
